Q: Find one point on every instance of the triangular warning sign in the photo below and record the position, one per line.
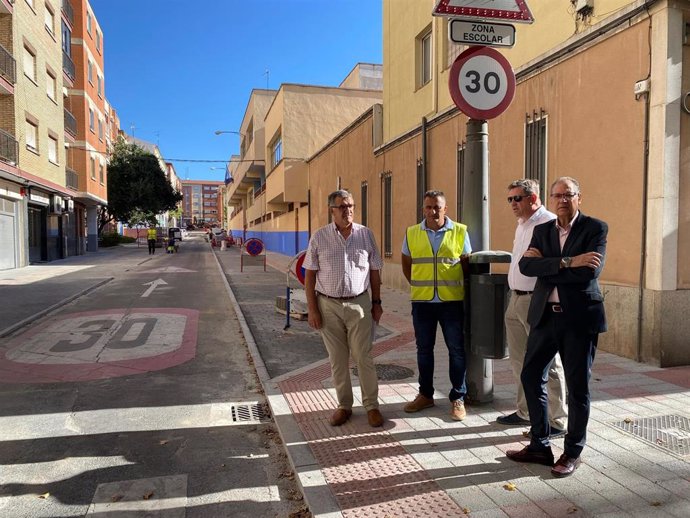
(508, 10)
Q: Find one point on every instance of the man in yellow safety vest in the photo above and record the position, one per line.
(432, 255)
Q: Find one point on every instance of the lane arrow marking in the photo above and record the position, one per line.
(152, 286)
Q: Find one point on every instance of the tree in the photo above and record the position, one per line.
(137, 187)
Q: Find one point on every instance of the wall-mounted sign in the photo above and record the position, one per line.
(469, 32)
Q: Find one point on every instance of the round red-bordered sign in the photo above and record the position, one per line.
(482, 83)
(299, 269)
(254, 246)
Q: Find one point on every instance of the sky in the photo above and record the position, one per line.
(178, 70)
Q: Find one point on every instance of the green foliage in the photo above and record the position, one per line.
(114, 239)
(138, 189)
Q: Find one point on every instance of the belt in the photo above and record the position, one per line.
(339, 298)
(520, 292)
(556, 308)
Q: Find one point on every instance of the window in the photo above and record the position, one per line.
(91, 121)
(424, 58)
(100, 129)
(93, 168)
(52, 149)
(460, 180)
(100, 86)
(387, 214)
(276, 151)
(363, 203)
(98, 40)
(101, 173)
(421, 188)
(51, 85)
(90, 72)
(535, 148)
(50, 20)
(29, 61)
(32, 136)
(66, 39)
(88, 22)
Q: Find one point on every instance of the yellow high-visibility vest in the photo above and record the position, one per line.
(152, 233)
(442, 271)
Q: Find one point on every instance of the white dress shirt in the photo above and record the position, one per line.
(523, 237)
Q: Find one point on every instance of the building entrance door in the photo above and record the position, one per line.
(37, 234)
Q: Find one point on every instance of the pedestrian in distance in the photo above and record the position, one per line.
(566, 315)
(342, 263)
(523, 197)
(151, 239)
(433, 253)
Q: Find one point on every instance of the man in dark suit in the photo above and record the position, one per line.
(566, 315)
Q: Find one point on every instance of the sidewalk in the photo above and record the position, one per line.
(635, 463)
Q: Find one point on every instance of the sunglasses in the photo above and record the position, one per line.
(517, 199)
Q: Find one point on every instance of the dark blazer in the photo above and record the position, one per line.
(578, 288)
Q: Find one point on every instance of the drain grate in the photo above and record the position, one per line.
(669, 432)
(249, 413)
(386, 372)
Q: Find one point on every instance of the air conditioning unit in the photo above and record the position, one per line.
(69, 205)
(56, 204)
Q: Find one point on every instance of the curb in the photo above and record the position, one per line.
(317, 495)
(11, 329)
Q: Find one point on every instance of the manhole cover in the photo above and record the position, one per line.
(670, 432)
(250, 412)
(386, 372)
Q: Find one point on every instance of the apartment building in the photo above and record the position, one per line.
(202, 203)
(35, 204)
(272, 189)
(87, 156)
(602, 95)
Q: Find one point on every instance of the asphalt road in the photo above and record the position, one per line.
(138, 397)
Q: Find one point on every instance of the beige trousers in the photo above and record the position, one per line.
(517, 330)
(346, 331)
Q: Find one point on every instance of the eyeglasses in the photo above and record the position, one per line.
(567, 196)
(344, 206)
(517, 198)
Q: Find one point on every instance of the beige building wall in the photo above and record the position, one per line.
(31, 99)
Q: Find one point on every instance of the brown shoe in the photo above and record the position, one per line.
(375, 418)
(544, 457)
(457, 410)
(419, 403)
(340, 417)
(565, 466)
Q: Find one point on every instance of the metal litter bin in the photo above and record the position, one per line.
(486, 296)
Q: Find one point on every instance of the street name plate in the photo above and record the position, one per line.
(487, 34)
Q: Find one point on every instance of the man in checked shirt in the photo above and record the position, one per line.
(342, 263)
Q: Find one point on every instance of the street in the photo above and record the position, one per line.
(138, 398)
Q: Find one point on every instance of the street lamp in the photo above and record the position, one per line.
(219, 132)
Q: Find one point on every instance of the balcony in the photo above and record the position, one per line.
(287, 183)
(71, 179)
(8, 70)
(68, 11)
(70, 123)
(9, 147)
(68, 67)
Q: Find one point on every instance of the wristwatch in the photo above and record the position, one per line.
(376, 301)
(565, 262)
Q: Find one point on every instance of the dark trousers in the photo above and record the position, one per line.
(577, 349)
(152, 246)
(425, 317)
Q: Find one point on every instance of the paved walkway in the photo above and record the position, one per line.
(635, 463)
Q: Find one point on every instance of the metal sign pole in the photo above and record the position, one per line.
(475, 193)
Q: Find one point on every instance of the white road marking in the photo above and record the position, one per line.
(152, 286)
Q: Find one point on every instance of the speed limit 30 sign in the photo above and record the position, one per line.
(482, 83)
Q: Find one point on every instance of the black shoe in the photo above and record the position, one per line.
(544, 457)
(554, 433)
(512, 420)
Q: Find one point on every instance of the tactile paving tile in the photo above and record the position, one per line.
(368, 471)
